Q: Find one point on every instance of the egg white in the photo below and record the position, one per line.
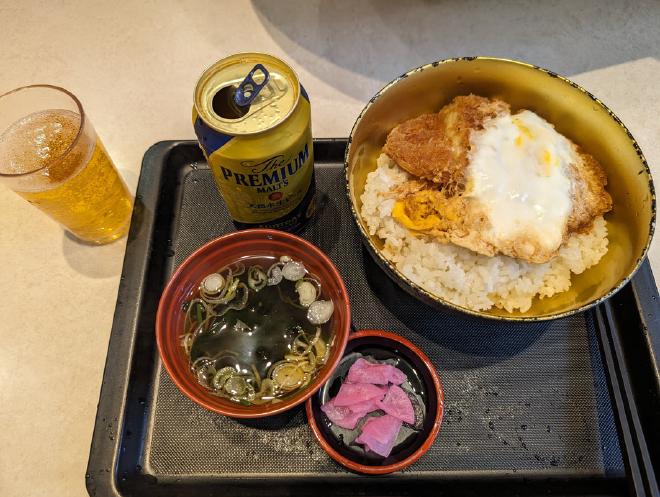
(519, 173)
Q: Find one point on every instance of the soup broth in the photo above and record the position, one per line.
(257, 330)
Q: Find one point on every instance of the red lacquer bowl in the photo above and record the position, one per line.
(421, 373)
(226, 250)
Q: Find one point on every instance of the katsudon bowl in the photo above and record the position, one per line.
(574, 112)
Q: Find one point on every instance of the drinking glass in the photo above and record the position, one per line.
(51, 156)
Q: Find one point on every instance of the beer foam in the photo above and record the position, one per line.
(35, 140)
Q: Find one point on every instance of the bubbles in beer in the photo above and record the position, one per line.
(35, 140)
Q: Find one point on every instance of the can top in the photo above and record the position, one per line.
(219, 107)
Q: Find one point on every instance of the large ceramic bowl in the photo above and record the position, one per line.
(575, 112)
(219, 253)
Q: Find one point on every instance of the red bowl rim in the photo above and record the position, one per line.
(398, 466)
(263, 411)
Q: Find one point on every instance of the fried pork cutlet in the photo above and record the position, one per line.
(435, 147)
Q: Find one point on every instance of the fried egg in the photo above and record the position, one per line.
(519, 174)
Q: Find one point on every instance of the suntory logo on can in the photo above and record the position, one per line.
(269, 175)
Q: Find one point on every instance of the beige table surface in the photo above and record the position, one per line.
(134, 65)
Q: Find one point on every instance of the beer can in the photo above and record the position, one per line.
(252, 118)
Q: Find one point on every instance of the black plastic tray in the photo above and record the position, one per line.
(564, 407)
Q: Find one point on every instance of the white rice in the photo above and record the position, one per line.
(462, 276)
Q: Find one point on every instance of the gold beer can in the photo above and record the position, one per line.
(253, 122)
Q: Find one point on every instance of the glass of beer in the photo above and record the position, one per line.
(50, 155)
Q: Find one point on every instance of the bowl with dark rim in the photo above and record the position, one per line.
(574, 112)
(218, 253)
(423, 379)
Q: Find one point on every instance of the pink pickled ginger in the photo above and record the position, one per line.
(397, 403)
(341, 416)
(379, 434)
(366, 406)
(354, 393)
(363, 371)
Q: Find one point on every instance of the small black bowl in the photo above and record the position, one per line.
(381, 345)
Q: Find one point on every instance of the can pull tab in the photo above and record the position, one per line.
(248, 90)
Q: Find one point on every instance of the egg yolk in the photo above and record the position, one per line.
(525, 132)
(423, 211)
(417, 223)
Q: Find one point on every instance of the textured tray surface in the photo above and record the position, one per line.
(528, 399)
